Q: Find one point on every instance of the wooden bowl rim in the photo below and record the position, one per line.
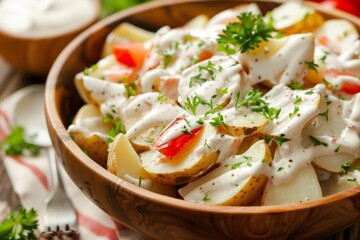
(55, 123)
(57, 33)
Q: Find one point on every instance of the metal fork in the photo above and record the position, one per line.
(60, 218)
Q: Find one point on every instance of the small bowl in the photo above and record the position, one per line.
(34, 52)
(162, 217)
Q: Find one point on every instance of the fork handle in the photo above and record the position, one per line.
(55, 175)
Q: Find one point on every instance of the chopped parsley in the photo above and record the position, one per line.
(207, 198)
(297, 86)
(312, 65)
(192, 104)
(353, 180)
(186, 131)
(337, 149)
(297, 100)
(223, 91)
(323, 57)
(325, 114)
(149, 140)
(245, 34)
(280, 140)
(346, 167)
(317, 142)
(197, 80)
(254, 101)
(295, 111)
(218, 121)
(140, 181)
(90, 70)
(118, 128)
(129, 87)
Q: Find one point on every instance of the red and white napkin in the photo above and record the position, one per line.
(30, 181)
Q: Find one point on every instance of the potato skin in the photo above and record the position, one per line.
(185, 175)
(249, 193)
(94, 146)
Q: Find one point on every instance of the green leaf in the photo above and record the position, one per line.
(109, 7)
(245, 34)
(19, 225)
(16, 145)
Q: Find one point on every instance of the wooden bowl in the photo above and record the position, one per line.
(34, 53)
(162, 217)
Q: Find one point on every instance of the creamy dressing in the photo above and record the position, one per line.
(290, 60)
(44, 16)
(209, 78)
(145, 111)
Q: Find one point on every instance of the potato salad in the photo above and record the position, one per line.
(241, 108)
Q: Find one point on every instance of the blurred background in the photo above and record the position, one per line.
(111, 6)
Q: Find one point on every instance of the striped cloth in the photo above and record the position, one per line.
(29, 178)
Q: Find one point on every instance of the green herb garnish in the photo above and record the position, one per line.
(317, 142)
(245, 34)
(345, 167)
(312, 65)
(16, 145)
(20, 225)
(118, 128)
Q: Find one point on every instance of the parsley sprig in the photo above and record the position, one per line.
(245, 34)
(20, 225)
(191, 104)
(16, 145)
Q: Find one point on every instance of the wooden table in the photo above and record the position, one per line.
(10, 81)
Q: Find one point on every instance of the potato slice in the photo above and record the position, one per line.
(90, 132)
(96, 91)
(290, 54)
(298, 108)
(333, 163)
(199, 21)
(124, 162)
(144, 116)
(242, 122)
(125, 33)
(303, 188)
(142, 141)
(193, 161)
(338, 35)
(205, 80)
(338, 183)
(294, 17)
(235, 182)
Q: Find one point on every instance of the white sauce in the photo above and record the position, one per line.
(44, 16)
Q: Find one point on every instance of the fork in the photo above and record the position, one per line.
(60, 218)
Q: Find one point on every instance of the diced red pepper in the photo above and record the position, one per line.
(350, 87)
(350, 6)
(130, 54)
(347, 87)
(204, 55)
(173, 147)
